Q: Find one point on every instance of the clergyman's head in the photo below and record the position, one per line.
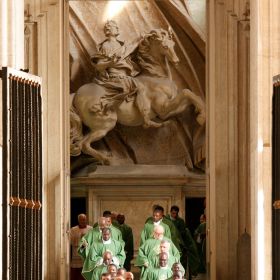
(163, 259)
(158, 214)
(102, 222)
(106, 234)
(178, 275)
(174, 211)
(120, 218)
(158, 232)
(128, 276)
(82, 220)
(164, 246)
(112, 269)
(106, 276)
(107, 257)
(121, 271)
(175, 267)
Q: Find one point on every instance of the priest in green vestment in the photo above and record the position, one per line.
(111, 223)
(148, 230)
(177, 267)
(178, 222)
(200, 238)
(96, 251)
(127, 236)
(99, 270)
(192, 253)
(174, 234)
(149, 251)
(116, 233)
(162, 272)
(95, 234)
(178, 275)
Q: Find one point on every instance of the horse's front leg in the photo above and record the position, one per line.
(179, 104)
(199, 105)
(94, 136)
(144, 105)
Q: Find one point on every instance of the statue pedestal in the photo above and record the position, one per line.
(134, 189)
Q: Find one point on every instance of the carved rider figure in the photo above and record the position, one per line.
(115, 67)
(116, 71)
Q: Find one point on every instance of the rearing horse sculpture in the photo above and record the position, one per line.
(160, 94)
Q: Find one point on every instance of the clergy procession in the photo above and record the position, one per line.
(167, 249)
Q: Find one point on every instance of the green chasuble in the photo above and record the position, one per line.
(179, 223)
(148, 231)
(95, 256)
(148, 254)
(97, 272)
(192, 253)
(175, 235)
(200, 235)
(127, 236)
(95, 235)
(158, 274)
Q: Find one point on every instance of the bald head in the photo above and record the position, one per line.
(178, 275)
(128, 276)
(114, 215)
(107, 257)
(102, 222)
(163, 259)
(82, 220)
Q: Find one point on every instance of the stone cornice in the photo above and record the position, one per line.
(140, 175)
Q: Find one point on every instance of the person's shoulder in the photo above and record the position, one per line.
(166, 220)
(128, 227)
(181, 219)
(168, 217)
(117, 242)
(75, 228)
(149, 242)
(166, 223)
(114, 228)
(149, 222)
(149, 219)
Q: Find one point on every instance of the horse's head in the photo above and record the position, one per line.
(161, 42)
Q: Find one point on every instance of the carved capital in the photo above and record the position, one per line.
(246, 13)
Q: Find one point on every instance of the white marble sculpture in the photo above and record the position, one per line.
(134, 87)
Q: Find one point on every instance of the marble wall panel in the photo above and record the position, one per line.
(136, 210)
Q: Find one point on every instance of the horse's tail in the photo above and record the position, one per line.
(76, 130)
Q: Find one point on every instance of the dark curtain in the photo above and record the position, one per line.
(276, 179)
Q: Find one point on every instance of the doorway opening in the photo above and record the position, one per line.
(78, 206)
(194, 208)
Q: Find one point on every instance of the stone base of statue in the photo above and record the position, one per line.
(134, 189)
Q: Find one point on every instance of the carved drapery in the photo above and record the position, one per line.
(182, 143)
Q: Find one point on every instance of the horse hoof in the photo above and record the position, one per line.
(201, 118)
(152, 124)
(106, 161)
(169, 122)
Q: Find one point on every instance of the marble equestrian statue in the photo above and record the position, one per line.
(151, 100)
